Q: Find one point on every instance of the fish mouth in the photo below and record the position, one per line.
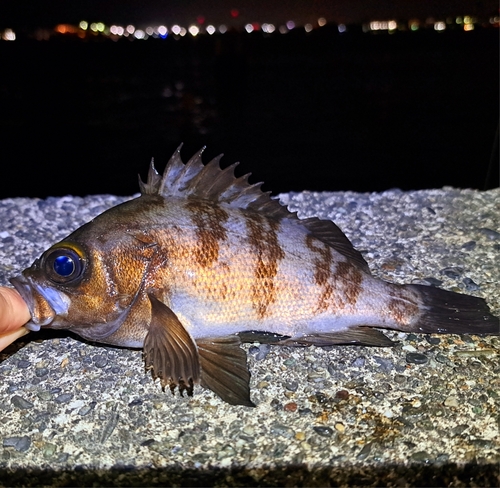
(44, 303)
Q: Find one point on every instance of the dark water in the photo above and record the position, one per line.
(316, 112)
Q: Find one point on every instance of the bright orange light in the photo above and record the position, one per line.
(66, 29)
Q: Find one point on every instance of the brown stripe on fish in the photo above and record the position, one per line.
(209, 221)
(350, 278)
(263, 237)
(403, 305)
(322, 272)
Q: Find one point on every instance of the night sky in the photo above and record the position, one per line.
(35, 13)
(317, 111)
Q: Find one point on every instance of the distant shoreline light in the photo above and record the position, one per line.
(85, 29)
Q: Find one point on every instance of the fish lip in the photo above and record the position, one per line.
(26, 288)
(23, 287)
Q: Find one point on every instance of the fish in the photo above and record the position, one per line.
(203, 261)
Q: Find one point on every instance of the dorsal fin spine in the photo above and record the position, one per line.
(152, 184)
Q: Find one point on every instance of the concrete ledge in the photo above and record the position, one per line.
(420, 413)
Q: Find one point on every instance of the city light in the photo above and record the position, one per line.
(8, 35)
(198, 27)
(390, 25)
(377, 25)
(414, 25)
(268, 28)
(194, 30)
(66, 29)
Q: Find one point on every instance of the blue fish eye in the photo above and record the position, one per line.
(64, 265)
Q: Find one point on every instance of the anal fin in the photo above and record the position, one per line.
(224, 369)
(361, 336)
(170, 352)
(261, 336)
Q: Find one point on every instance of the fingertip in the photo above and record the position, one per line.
(14, 311)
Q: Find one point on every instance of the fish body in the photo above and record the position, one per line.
(202, 261)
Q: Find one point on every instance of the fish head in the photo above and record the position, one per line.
(86, 283)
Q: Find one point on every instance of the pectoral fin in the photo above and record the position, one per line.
(224, 369)
(170, 352)
(361, 336)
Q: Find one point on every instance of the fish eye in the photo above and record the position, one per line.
(64, 265)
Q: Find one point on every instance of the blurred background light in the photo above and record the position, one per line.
(120, 30)
(8, 35)
(139, 34)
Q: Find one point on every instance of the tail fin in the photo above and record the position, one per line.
(447, 312)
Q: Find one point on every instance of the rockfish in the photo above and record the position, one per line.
(203, 261)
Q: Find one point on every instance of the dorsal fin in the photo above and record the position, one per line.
(195, 180)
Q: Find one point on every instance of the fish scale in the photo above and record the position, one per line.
(203, 261)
